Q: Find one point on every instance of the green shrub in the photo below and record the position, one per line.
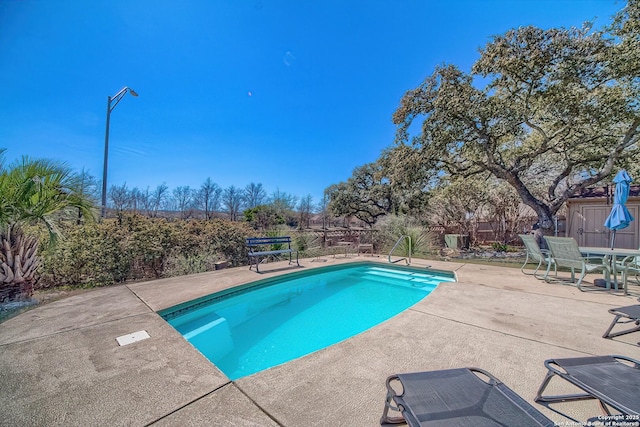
(392, 227)
(307, 244)
(93, 254)
(137, 247)
(181, 265)
(228, 239)
(500, 247)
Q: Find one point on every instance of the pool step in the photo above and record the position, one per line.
(210, 334)
(402, 278)
(411, 274)
(202, 325)
(403, 282)
(401, 275)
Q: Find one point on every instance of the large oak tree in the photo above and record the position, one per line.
(366, 195)
(555, 109)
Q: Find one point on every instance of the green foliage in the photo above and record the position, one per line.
(408, 179)
(228, 239)
(33, 192)
(181, 265)
(457, 203)
(366, 195)
(500, 247)
(263, 217)
(94, 254)
(137, 247)
(150, 242)
(275, 233)
(550, 112)
(303, 241)
(392, 227)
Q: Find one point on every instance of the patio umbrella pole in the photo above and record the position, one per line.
(613, 239)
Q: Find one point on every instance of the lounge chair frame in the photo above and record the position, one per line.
(535, 254)
(566, 253)
(606, 378)
(630, 313)
(456, 397)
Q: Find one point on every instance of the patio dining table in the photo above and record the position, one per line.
(610, 255)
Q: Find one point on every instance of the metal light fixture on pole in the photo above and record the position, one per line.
(112, 101)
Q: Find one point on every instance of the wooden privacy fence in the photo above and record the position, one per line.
(331, 237)
(482, 232)
(477, 232)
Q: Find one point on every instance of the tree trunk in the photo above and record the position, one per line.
(545, 227)
(18, 264)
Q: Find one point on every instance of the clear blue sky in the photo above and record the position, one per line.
(290, 94)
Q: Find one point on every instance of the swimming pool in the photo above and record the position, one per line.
(254, 327)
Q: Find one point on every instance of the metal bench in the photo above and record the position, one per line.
(262, 247)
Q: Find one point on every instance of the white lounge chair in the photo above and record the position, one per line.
(535, 254)
(566, 253)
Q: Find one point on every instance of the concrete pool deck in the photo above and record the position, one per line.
(60, 363)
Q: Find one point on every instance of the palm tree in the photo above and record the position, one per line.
(32, 192)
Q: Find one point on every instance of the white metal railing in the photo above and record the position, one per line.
(407, 259)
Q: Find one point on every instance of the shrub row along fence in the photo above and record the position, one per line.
(137, 248)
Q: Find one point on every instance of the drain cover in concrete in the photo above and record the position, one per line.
(133, 337)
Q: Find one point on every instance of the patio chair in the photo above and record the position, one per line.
(630, 266)
(630, 313)
(457, 397)
(535, 254)
(613, 380)
(565, 253)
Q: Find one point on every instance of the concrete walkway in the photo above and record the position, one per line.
(60, 364)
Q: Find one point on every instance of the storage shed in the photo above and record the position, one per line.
(588, 211)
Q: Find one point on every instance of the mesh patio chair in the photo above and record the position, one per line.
(624, 315)
(457, 397)
(613, 380)
(535, 254)
(565, 253)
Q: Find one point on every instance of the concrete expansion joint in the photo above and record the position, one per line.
(228, 383)
(264, 411)
(460, 267)
(139, 299)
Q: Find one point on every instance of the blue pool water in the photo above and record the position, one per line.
(247, 330)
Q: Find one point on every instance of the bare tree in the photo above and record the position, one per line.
(158, 199)
(323, 209)
(283, 201)
(183, 200)
(144, 201)
(232, 201)
(120, 198)
(254, 195)
(305, 208)
(208, 198)
(137, 199)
